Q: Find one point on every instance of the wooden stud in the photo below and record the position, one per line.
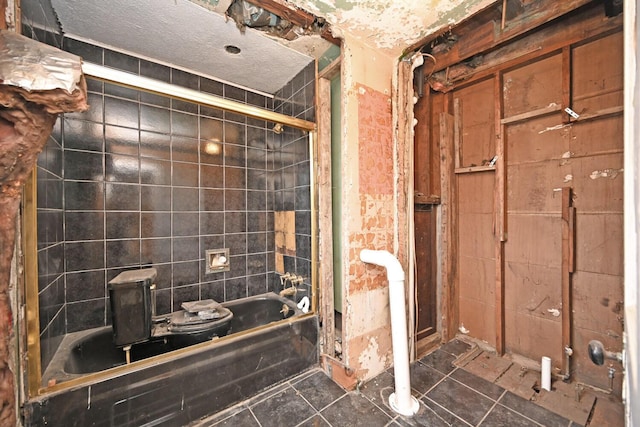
(450, 303)
(457, 132)
(503, 20)
(331, 70)
(500, 215)
(325, 245)
(477, 35)
(550, 109)
(422, 149)
(568, 265)
(566, 83)
(578, 27)
(285, 11)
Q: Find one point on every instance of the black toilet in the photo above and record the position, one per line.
(134, 319)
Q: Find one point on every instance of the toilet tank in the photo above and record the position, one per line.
(130, 299)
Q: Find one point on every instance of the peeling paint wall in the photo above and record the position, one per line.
(391, 25)
(368, 205)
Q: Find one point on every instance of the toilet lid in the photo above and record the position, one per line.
(184, 319)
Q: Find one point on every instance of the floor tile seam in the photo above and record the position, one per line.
(267, 394)
(501, 402)
(386, 409)
(446, 409)
(224, 414)
(478, 391)
(487, 413)
(317, 413)
(436, 369)
(255, 417)
(299, 393)
(522, 415)
(432, 387)
(304, 375)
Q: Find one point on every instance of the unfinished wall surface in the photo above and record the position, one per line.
(368, 206)
(536, 270)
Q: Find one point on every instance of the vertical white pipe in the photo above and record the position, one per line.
(401, 400)
(545, 378)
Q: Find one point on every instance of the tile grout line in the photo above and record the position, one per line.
(495, 403)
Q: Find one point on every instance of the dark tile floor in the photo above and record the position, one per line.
(448, 396)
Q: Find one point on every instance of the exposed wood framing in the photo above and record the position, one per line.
(500, 210)
(566, 83)
(483, 32)
(331, 70)
(457, 132)
(550, 109)
(577, 28)
(286, 11)
(3, 16)
(325, 245)
(422, 150)
(450, 304)
(338, 372)
(299, 17)
(568, 267)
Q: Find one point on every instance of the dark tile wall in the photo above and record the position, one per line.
(50, 218)
(145, 180)
(291, 170)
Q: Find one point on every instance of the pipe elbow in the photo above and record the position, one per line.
(395, 273)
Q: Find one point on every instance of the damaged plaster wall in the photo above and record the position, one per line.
(390, 25)
(368, 205)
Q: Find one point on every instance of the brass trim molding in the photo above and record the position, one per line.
(157, 87)
(30, 248)
(314, 220)
(156, 360)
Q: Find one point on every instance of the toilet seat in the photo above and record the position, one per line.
(186, 321)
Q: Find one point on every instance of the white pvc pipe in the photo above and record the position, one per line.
(401, 400)
(545, 377)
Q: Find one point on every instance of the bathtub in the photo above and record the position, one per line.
(176, 387)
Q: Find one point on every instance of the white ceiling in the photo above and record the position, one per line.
(183, 34)
(191, 34)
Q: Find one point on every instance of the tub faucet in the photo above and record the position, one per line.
(294, 280)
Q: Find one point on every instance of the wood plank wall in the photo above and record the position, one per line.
(504, 283)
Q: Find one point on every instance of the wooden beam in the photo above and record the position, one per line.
(286, 11)
(331, 70)
(450, 303)
(457, 133)
(325, 245)
(3, 14)
(422, 149)
(566, 83)
(576, 28)
(499, 201)
(483, 32)
(552, 108)
(568, 266)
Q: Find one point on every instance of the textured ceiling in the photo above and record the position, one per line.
(184, 34)
(192, 34)
(391, 25)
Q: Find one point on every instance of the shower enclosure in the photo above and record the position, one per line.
(148, 180)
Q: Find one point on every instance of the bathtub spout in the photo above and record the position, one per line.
(401, 400)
